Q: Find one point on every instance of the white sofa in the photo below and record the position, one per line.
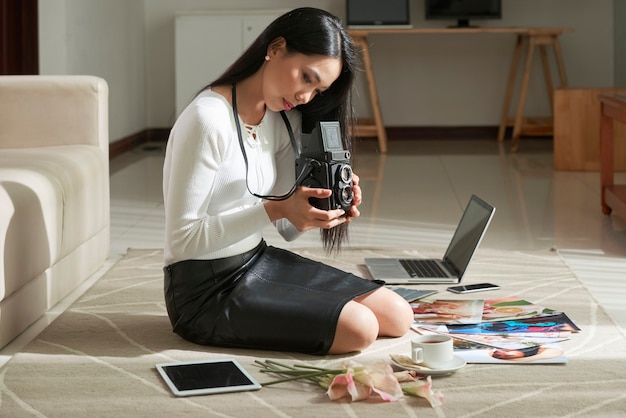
(54, 192)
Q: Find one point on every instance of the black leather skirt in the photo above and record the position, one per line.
(267, 298)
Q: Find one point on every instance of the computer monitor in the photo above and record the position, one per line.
(378, 13)
(462, 10)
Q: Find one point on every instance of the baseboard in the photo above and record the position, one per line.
(394, 133)
(440, 132)
(126, 144)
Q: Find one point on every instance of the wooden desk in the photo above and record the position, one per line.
(613, 108)
(526, 37)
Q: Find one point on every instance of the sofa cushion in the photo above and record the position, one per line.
(57, 195)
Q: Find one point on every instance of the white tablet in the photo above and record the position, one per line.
(206, 377)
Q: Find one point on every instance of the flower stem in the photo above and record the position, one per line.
(309, 376)
(297, 372)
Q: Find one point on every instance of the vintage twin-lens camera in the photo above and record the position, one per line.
(328, 166)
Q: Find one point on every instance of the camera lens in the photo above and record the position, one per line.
(346, 195)
(346, 173)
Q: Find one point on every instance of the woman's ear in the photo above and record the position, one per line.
(277, 46)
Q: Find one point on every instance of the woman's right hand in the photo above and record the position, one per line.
(304, 216)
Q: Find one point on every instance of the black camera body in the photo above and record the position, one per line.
(328, 166)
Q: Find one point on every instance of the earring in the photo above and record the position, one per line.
(267, 58)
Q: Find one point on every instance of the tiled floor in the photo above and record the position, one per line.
(414, 197)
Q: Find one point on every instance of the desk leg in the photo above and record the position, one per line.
(371, 83)
(519, 117)
(556, 48)
(504, 118)
(560, 65)
(541, 40)
(606, 157)
(546, 74)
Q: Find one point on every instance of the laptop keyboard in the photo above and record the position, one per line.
(423, 268)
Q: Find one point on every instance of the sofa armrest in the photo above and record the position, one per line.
(41, 111)
(6, 213)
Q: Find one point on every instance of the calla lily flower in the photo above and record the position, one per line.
(358, 382)
(424, 389)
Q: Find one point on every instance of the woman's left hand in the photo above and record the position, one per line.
(357, 198)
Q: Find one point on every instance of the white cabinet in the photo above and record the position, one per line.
(208, 42)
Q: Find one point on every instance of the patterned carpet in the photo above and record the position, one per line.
(97, 359)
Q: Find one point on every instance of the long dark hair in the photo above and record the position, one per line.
(309, 31)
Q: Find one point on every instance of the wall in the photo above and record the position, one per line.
(102, 38)
(620, 43)
(425, 80)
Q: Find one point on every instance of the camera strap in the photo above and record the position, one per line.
(294, 145)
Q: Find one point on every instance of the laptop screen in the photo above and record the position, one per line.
(468, 234)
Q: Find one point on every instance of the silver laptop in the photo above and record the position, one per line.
(451, 268)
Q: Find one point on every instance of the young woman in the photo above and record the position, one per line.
(228, 169)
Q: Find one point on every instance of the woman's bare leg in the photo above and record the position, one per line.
(379, 313)
(357, 329)
(393, 312)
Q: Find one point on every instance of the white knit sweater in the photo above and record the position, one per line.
(209, 212)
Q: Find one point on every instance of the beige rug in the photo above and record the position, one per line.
(97, 359)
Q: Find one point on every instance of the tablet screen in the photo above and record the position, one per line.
(206, 377)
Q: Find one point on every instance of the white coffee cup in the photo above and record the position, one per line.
(433, 351)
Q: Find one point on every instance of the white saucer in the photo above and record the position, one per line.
(454, 365)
